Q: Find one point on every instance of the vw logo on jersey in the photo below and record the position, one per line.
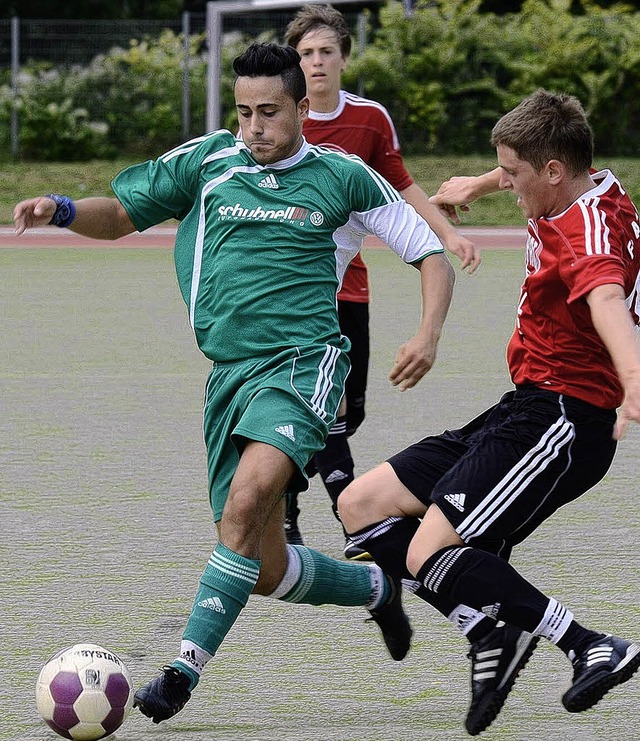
(316, 218)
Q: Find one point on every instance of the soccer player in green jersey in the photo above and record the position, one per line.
(268, 225)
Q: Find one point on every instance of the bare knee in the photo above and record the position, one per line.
(434, 534)
(351, 502)
(373, 497)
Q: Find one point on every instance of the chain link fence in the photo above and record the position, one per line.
(138, 86)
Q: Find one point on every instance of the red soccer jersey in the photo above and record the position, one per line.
(362, 127)
(596, 241)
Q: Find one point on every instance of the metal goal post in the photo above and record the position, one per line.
(216, 12)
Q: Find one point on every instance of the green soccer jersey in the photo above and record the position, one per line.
(261, 249)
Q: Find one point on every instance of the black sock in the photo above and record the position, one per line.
(335, 463)
(576, 638)
(292, 507)
(485, 582)
(387, 542)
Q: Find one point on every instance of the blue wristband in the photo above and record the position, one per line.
(65, 210)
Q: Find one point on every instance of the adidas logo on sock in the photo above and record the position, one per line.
(287, 431)
(189, 657)
(213, 603)
(336, 476)
(492, 610)
(457, 500)
(269, 182)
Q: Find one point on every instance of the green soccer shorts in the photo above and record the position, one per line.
(289, 400)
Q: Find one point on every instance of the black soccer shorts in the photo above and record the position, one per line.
(500, 476)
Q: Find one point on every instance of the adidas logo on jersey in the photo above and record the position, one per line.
(269, 182)
(457, 500)
(213, 603)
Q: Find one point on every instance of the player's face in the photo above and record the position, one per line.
(535, 197)
(321, 61)
(270, 120)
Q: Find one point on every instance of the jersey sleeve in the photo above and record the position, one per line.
(166, 188)
(150, 194)
(589, 257)
(383, 213)
(387, 158)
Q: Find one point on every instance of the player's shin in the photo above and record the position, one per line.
(315, 579)
(224, 590)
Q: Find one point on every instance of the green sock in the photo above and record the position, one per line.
(225, 586)
(316, 579)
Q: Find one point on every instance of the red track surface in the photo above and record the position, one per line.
(485, 238)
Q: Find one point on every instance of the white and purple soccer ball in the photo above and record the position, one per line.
(84, 692)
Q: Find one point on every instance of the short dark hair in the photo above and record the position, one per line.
(312, 17)
(273, 60)
(547, 126)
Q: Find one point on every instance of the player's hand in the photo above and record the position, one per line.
(457, 192)
(630, 409)
(33, 212)
(413, 360)
(464, 250)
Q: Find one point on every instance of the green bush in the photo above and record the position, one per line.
(139, 92)
(446, 74)
(126, 101)
(449, 72)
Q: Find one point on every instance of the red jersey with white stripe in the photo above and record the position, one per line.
(596, 241)
(363, 127)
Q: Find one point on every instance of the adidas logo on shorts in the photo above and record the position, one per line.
(287, 431)
(457, 500)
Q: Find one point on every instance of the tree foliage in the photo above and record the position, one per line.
(448, 72)
(93, 9)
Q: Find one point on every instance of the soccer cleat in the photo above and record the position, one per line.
(164, 696)
(394, 623)
(292, 531)
(496, 661)
(604, 664)
(353, 552)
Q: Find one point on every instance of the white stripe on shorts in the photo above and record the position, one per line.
(324, 382)
(560, 435)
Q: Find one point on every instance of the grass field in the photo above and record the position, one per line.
(80, 179)
(106, 526)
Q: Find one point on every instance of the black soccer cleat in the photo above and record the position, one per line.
(164, 696)
(604, 664)
(292, 531)
(353, 552)
(496, 661)
(394, 623)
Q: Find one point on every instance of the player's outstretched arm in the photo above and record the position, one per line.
(99, 218)
(460, 246)
(416, 357)
(613, 323)
(459, 192)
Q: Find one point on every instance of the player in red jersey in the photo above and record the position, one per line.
(351, 124)
(446, 512)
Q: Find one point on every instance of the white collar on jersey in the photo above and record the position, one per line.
(602, 182)
(317, 116)
(293, 160)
